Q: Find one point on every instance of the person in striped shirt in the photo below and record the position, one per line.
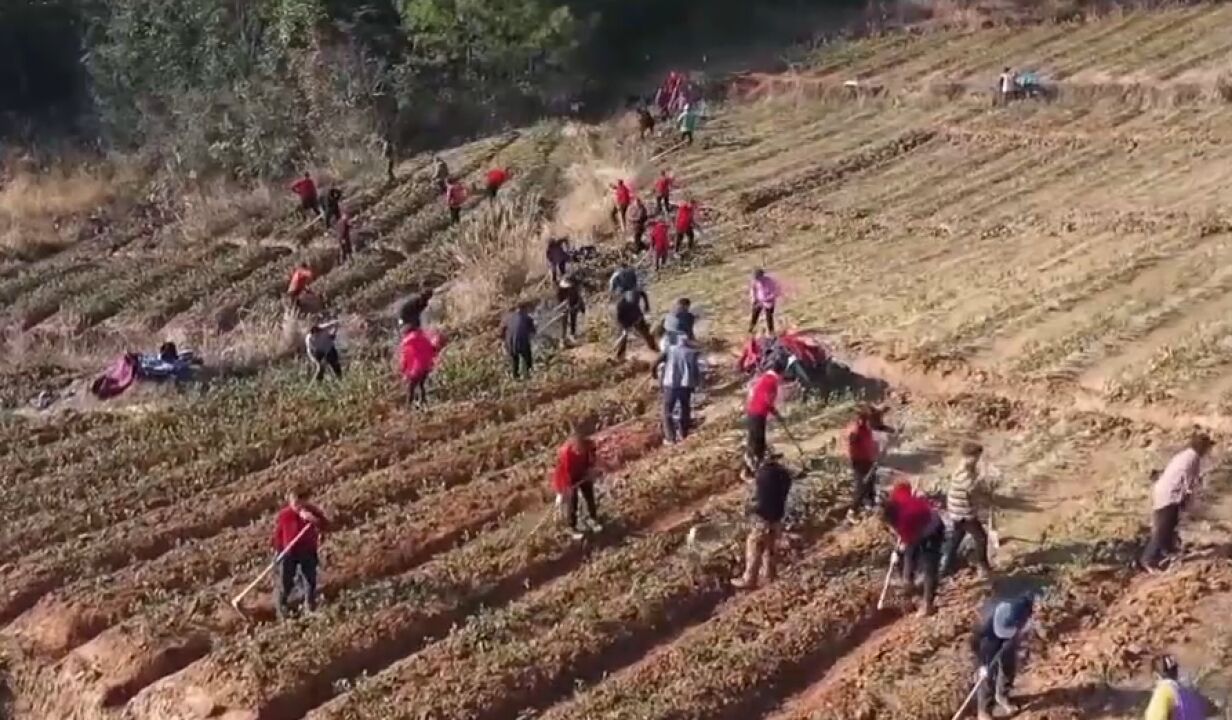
(961, 500)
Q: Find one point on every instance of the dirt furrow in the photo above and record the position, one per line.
(150, 534)
(371, 628)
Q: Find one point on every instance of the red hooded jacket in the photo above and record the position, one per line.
(660, 238)
(572, 464)
(305, 188)
(861, 443)
(419, 349)
(288, 525)
(684, 216)
(914, 515)
(624, 195)
(497, 177)
(663, 186)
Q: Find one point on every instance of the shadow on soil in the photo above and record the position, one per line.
(1090, 698)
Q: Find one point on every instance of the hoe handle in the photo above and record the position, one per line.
(270, 568)
(885, 587)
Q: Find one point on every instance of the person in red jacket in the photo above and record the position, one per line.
(660, 242)
(573, 477)
(862, 452)
(297, 534)
(761, 405)
(663, 192)
(622, 196)
(306, 189)
(686, 224)
(418, 349)
(455, 197)
(496, 178)
(920, 534)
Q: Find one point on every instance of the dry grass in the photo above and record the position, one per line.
(42, 212)
(499, 249)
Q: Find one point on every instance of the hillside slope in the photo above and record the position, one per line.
(1047, 277)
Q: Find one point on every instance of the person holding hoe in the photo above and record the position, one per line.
(519, 331)
(995, 645)
(631, 312)
(297, 534)
(1172, 490)
(321, 343)
(574, 479)
(761, 405)
(920, 533)
(771, 486)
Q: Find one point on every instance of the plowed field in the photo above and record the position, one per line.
(1048, 277)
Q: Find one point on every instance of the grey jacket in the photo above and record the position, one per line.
(681, 367)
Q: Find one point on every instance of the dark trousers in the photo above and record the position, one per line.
(961, 528)
(863, 485)
(755, 441)
(757, 312)
(618, 215)
(455, 214)
(521, 361)
(660, 259)
(674, 397)
(311, 206)
(1163, 535)
(295, 564)
(924, 555)
(558, 269)
(570, 320)
(331, 214)
(664, 203)
(1001, 675)
(682, 235)
(345, 249)
(419, 385)
(687, 136)
(326, 361)
(642, 330)
(639, 231)
(586, 491)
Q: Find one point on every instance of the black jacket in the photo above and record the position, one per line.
(519, 329)
(629, 308)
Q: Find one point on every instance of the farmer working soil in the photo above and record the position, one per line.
(660, 242)
(995, 645)
(557, 255)
(863, 451)
(332, 207)
(301, 277)
(519, 330)
(663, 192)
(305, 189)
(631, 312)
(764, 292)
(624, 280)
(961, 501)
(496, 178)
(622, 197)
(1170, 700)
(686, 224)
(681, 319)
(772, 484)
(321, 343)
(1171, 492)
(440, 174)
(410, 315)
(645, 122)
(345, 247)
(570, 293)
(638, 217)
(681, 363)
(418, 350)
(455, 198)
(574, 476)
(301, 558)
(920, 533)
(761, 405)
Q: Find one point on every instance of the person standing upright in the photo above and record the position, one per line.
(663, 192)
(574, 479)
(570, 294)
(772, 484)
(763, 398)
(764, 293)
(297, 534)
(519, 331)
(962, 500)
(681, 364)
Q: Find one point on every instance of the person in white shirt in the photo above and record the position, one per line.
(1007, 84)
(1170, 493)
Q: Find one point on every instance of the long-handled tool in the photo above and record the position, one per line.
(885, 586)
(980, 680)
(787, 431)
(235, 601)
